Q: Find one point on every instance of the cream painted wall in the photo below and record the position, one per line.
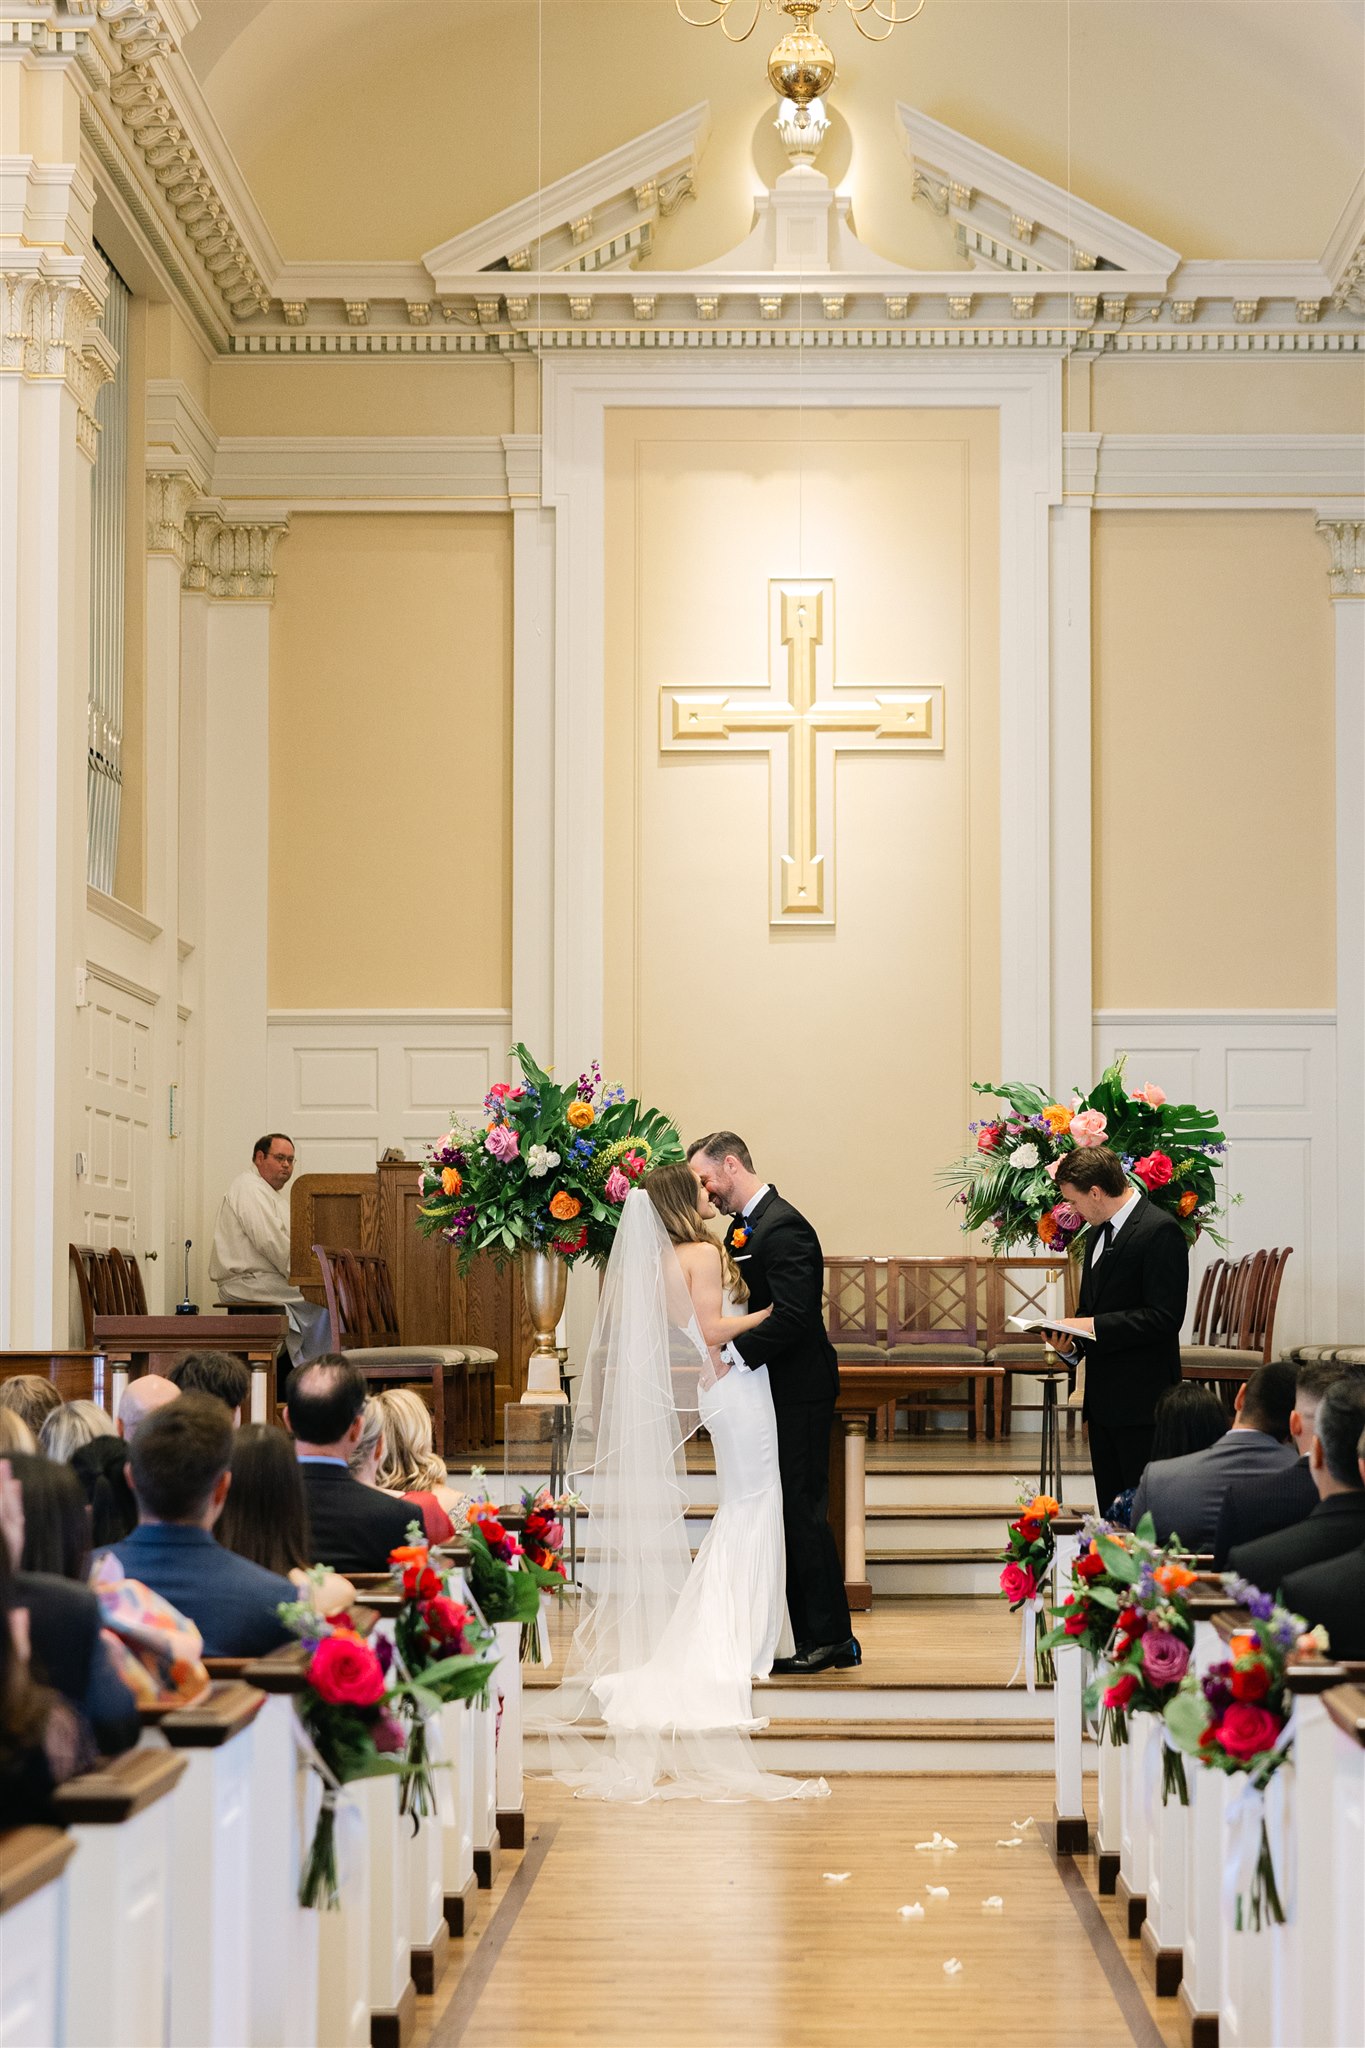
(1195, 396)
(359, 397)
(844, 1055)
(1213, 750)
(173, 350)
(390, 763)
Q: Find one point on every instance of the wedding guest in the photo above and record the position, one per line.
(266, 1517)
(1184, 1495)
(15, 1434)
(102, 1469)
(1189, 1417)
(56, 1520)
(71, 1425)
(1255, 1507)
(142, 1397)
(352, 1527)
(369, 1445)
(179, 1461)
(409, 1465)
(1336, 1522)
(41, 1741)
(31, 1396)
(217, 1373)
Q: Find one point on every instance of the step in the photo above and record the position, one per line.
(839, 1747)
(905, 1530)
(850, 1699)
(929, 1572)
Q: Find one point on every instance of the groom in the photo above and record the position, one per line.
(779, 1255)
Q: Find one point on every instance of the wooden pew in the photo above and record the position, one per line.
(282, 1938)
(77, 1375)
(34, 1934)
(1312, 2000)
(1345, 1705)
(1071, 1828)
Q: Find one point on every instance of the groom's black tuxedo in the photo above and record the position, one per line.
(784, 1267)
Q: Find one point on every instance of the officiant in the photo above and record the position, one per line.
(250, 1261)
(1134, 1283)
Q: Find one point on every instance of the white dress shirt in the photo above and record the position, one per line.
(1116, 1223)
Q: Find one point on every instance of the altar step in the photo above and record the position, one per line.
(840, 1746)
(965, 1485)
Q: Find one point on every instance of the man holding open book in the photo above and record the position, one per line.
(1134, 1283)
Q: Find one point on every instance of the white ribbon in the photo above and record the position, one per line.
(1028, 1658)
(1243, 1818)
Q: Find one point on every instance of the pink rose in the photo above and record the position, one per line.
(1088, 1127)
(1155, 1171)
(1151, 1095)
(1245, 1731)
(616, 1187)
(502, 1142)
(1165, 1659)
(1017, 1582)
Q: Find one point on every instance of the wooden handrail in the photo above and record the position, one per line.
(284, 1670)
(1234, 1621)
(1346, 1705)
(225, 1711)
(1320, 1674)
(29, 1859)
(126, 1786)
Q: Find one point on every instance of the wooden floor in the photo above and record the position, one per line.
(685, 1926)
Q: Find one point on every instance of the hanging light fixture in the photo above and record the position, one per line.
(801, 67)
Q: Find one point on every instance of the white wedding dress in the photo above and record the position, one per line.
(667, 1649)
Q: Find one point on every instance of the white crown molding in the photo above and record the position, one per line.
(452, 473)
(115, 912)
(1343, 260)
(177, 425)
(1262, 471)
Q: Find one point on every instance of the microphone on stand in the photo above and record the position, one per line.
(187, 1307)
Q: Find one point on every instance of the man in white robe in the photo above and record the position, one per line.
(250, 1261)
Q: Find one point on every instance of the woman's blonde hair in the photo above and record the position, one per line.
(370, 1430)
(15, 1434)
(73, 1424)
(673, 1191)
(408, 1463)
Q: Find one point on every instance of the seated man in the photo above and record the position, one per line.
(1267, 1501)
(250, 1261)
(217, 1373)
(1337, 1521)
(179, 1468)
(352, 1527)
(1184, 1496)
(141, 1398)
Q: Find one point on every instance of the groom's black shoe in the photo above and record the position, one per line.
(784, 1667)
(825, 1657)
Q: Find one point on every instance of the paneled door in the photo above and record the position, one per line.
(116, 1129)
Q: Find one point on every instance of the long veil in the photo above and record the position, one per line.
(638, 1400)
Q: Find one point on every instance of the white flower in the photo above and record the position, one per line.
(539, 1160)
(1025, 1155)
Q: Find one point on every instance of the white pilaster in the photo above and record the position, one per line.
(1072, 871)
(533, 773)
(1346, 540)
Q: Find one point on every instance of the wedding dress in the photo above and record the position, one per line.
(666, 1650)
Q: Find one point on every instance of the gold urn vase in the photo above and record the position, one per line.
(544, 1281)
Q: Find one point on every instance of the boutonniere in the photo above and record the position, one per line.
(739, 1237)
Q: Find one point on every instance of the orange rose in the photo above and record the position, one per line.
(1173, 1577)
(410, 1553)
(1188, 1203)
(1041, 1506)
(1244, 1646)
(1057, 1119)
(450, 1181)
(581, 1115)
(564, 1207)
(1047, 1227)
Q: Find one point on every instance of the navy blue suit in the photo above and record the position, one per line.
(230, 1600)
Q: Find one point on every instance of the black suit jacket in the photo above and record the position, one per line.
(783, 1265)
(67, 1653)
(352, 1527)
(1137, 1296)
(1333, 1594)
(1259, 1505)
(1335, 1526)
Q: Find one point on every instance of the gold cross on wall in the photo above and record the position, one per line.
(801, 722)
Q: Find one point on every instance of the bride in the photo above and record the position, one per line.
(667, 1649)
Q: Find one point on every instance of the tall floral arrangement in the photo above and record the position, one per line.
(547, 1169)
(1007, 1183)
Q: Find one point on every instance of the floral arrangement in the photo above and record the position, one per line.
(1087, 1615)
(442, 1653)
(350, 1711)
(504, 1592)
(1236, 1719)
(1027, 1560)
(542, 1538)
(1151, 1645)
(1007, 1183)
(547, 1170)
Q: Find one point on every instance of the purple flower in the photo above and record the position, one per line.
(1165, 1659)
(383, 1650)
(390, 1738)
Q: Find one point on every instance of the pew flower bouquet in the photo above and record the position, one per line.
(504, 1589)
(1007, 1184)
(1236, 1719)
(1150, 1648)
(1087, 1615)
(546, 1170)
(1027, 1560)
(442, 1648)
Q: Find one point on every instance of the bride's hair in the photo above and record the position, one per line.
(673, 1191)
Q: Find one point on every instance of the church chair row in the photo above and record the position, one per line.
(1301, 1985)
(164, 1910)
(108, 1283)
(1234, 1317)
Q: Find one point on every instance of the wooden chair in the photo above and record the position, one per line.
(1239, 1321)
(364, 1330)
(935, 1319)
(856, 1311)
(1020, 1287)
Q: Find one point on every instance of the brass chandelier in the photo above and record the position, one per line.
(801, 66)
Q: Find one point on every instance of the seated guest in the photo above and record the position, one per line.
(250, 1259)
(179, 1463)
(217, 1373)
(1184, 1495)
(141, 1397)
(1274, 1500)
(408, 1463)
(102, 1469)
(1332, 1594)
(71, 1425)
(1336, 1522)
(352, 1527)
(1189, 1417)
(266, 1517)
(31, 1396)
(15, 1434)
(364, 1459)
(42, 1742)
(56, 1521)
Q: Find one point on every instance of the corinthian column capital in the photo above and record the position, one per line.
(170, 493)
(233, 558)
(1346, 540)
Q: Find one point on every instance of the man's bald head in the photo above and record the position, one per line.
(141, 1397)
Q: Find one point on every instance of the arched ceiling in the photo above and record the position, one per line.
(375, 129)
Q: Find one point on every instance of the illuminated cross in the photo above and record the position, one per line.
(801, 722)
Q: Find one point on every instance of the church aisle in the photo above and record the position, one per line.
(695, 1926)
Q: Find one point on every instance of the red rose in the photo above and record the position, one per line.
(1154, 1171)
(1249, 1681)
(1017, 1583)
(1090, 1566)
(491, 1529)
(1078, 1622)
(1132, 1623)
(345, 1672)
(446, 1619)
(1121, 1691)
(1029, 1527)
(988, 1138)
(1245, 1732)
(420, 1583)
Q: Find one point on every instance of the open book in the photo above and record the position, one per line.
(1046, 1323)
